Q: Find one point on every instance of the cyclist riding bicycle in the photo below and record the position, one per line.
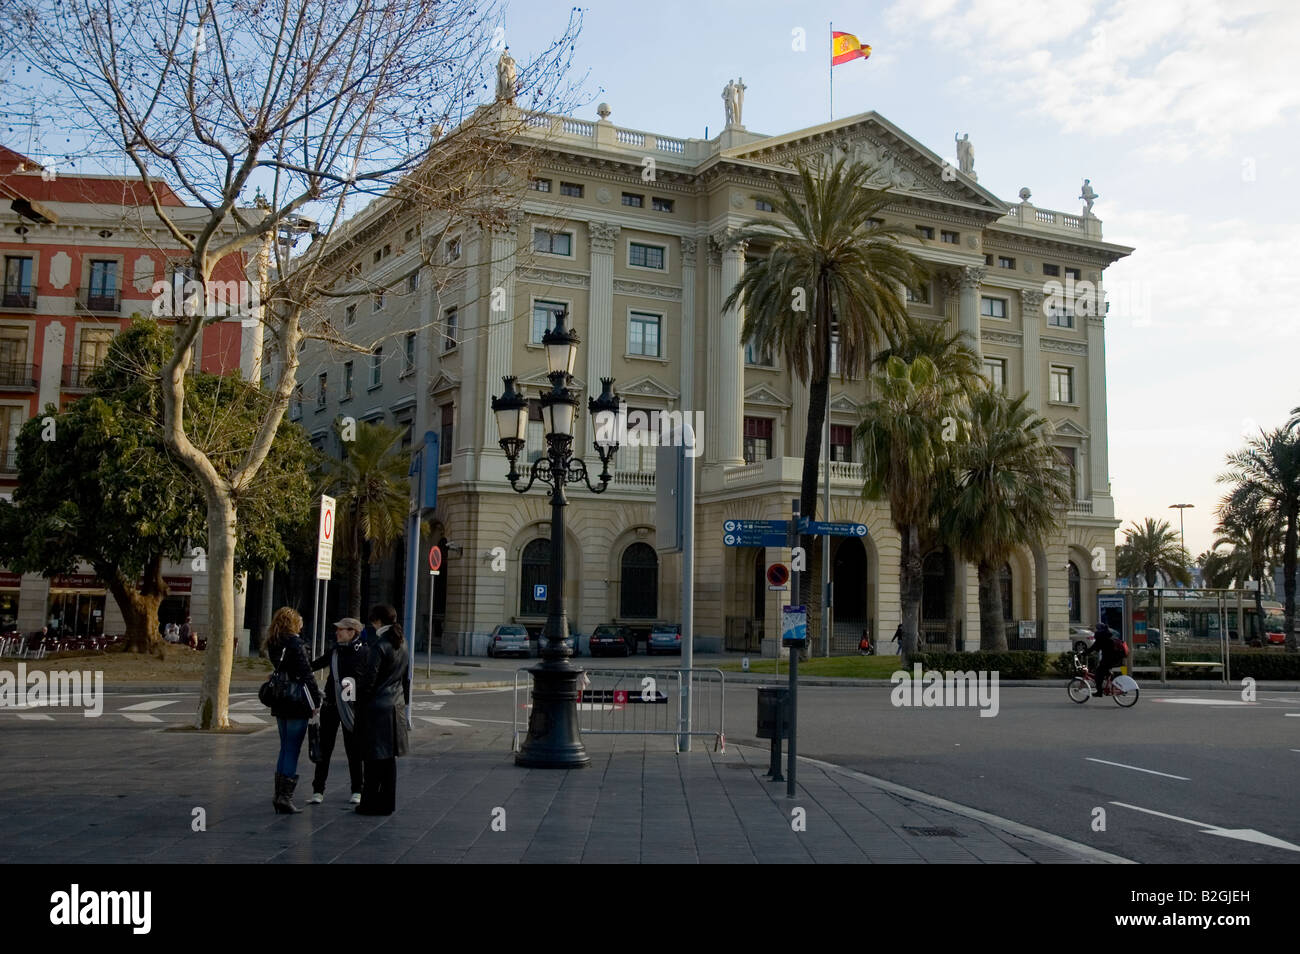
(1103, 643)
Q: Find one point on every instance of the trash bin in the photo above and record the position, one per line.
(773, 711)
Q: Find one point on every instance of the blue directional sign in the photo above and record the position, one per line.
(756, 539)
(816, 528)
(539, 591)
(759, 526)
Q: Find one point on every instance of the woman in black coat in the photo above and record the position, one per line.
(383, 694)
(289, 654)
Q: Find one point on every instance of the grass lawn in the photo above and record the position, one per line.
(858, 667)
(179, 664)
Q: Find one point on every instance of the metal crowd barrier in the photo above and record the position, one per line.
(16, 646)
(640, 702)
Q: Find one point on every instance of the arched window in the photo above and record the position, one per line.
(639, 587)
(1004, 581)
(1076, 594)
(932, 575)
(534, 571)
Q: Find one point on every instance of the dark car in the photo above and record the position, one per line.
(612, 639)
(664, 638)
(509, 639)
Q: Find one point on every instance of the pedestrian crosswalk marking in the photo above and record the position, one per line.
(443, 721)
(149, 706)
(33, 716)
(245, 718)
(443, 692)
(140, 717)
(247, 704)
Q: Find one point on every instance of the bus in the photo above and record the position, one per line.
(1203, 617)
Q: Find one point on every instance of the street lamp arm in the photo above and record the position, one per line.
(578, 471)
(541, 470)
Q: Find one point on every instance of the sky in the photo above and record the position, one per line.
(1183, 113)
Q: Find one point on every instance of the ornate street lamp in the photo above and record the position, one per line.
(554, 740)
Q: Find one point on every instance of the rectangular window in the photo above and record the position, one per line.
(350, 315)
(875, 222)
(950, 238)
(639, 458)
(535, 439)
(571, 189)
(544, 313)
(1060, 314)
(447, 433)
(93, 351)
(13, 352)
(925, 231)
(552, 243)
(762, 205)
(377, 302)
(661, 205)
(835, 353)
(1006, 261)
(347, 381)
(377, 368)
(988, 259)
(322, 390)
(410, 352)
(995, 369)
(754, 356)
(541, 185)
(377, 257)
(1053, 270)
(413, 283)
(453, 249)
(449, 330)
(633, 200)
(295, 406)
(993, 307)
(919, 296)
(410, 234)
(18, 290)
(643, 334)
(1073, 273)
(1070, 467)
(1062, 385)
(758, 439)
(11, 422)
(645, 256)
(841, 442)
(103, 279)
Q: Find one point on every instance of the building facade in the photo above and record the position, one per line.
(634, 235)
(81, 254)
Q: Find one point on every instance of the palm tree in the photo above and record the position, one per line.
(903, 450)
(1219, 568)
(1266, 478)
(832, 269)
(1149, 551)
(371, 490)
(1009, 491)
(1252, 534)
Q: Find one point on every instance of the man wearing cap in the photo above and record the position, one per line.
(343, 660)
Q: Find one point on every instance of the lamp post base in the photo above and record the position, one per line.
(554, 741)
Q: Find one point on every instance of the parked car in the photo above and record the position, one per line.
(612, 639)
(664, 638)
(509, 639)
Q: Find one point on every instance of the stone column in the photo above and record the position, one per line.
(472, 317)
(730, 365)
(950, 282)
(599, 339)
(498, 334)
(713, 398)
(968, 309)
(687, 368)
(1100, 473)
(1031, 322)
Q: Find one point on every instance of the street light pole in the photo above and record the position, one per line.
(554, 739)
(1182, 540)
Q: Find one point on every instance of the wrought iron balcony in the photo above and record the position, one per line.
(18, 376)
(16, 295)
(100, 299)
(76, 377)
(8, 461)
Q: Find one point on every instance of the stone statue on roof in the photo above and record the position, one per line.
(507, 77)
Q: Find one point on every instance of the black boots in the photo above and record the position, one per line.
(283, 802)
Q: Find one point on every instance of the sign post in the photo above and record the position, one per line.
(435, 562)
(794, 655)
(324, 564)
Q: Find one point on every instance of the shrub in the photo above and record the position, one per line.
(1021, 664)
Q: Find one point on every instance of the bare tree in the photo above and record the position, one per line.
(315, 105)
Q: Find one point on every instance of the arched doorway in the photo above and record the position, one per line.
(534, 571)
(852, 610)
(638, 596)
(934, 614)
(1076, 592)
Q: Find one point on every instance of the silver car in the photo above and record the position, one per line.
(509, 639)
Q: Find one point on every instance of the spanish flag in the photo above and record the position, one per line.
(845, 47)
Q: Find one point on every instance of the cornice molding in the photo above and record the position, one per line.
(1002, 337)
(554, 276)
(623, 286)
(1063, 347)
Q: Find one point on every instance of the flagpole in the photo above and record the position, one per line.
(830, 67)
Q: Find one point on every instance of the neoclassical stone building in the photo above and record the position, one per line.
(632, 233)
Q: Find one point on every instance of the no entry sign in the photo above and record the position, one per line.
(435, 559)
(325, 539)
(777, 576)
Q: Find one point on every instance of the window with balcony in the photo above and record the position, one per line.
(544, 314)
(449, 319)
(102, 292)
(552, 243)
(641, 255)
(995, 369)
(643, 337)
(11, 422)
(447, 433)
(993, 307)
(535, 437)
(14, 370)
(19, 288)
(1062, 385)
(758, 439)
(92, 352)
(1069, 467)
(638, 458)
(842, 442)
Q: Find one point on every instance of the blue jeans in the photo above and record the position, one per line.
(292, 734)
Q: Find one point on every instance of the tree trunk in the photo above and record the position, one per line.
(950, 597)
(214, 694)
(812, 451)
(1151, 607)
(354, 571)
(1288, 580)
(910, 583)
(993, 630)
(139, 606)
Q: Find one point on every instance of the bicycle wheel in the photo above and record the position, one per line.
(1078, 689)
(1125, 691)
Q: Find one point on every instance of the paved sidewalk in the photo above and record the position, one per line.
(68, 796)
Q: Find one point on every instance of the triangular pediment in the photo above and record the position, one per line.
(539, 379)
(902, 163)
(762, 394)
(1067, 428)
(647, 387)
(443, 382)
(844, 404)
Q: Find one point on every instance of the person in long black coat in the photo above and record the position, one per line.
(383, 694)
(342, 660)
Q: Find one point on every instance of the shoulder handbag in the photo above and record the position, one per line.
(280, 690)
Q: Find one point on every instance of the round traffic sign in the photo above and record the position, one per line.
(777, 574)
(328, 529)
(435, 558)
